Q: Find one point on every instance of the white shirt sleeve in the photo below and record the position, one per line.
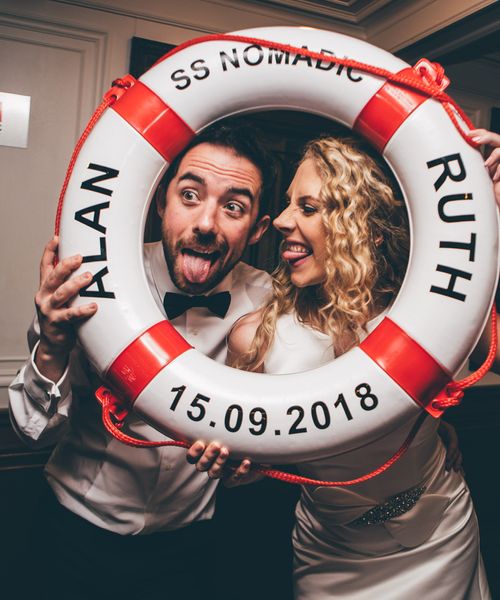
(39, 407)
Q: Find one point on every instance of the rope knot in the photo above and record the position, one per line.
(432, 73)
(451, 396)
(118, 88)
(112, 404)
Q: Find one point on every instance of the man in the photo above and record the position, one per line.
(120, 520)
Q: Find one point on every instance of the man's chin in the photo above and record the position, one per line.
(196, 288)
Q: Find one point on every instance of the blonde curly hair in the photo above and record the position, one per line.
(367, 246)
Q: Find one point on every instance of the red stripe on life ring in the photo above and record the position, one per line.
(154, 120)
(407, 363)
(143, 359)
(385, 112)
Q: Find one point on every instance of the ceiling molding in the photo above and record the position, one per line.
(350, 11)
(186, 17)
(137, 13)
(389, 24)
(406, 23)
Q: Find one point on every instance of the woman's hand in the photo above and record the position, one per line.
(213, 459)
(492, 163)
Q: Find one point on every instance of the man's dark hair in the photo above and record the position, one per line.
(244, 141)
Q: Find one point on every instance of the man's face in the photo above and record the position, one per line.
(210, 216)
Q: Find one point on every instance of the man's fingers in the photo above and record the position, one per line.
(60, 273)
(65, 316)
(68, 290)
(48, 256)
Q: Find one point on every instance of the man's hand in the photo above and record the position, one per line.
(450, 440)
(213, 459)
(57, 320)
(492, 163)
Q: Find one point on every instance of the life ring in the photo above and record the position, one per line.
(400, 367)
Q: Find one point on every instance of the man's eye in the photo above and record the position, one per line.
(235, 208)
(189, 195)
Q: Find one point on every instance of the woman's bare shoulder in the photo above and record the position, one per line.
(243, 332)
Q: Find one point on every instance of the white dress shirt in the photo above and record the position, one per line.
(123, 489)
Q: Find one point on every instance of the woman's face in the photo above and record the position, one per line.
(301, 224)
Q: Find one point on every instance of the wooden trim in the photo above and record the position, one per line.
(144, 53)
(467, 37)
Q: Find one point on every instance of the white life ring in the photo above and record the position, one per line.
(433, 324)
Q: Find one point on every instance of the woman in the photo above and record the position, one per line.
(412, 530)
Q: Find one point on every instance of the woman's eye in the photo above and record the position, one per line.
(308, 209)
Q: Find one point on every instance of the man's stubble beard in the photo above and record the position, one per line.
(172, 250)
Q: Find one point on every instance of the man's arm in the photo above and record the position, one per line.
(40, 396)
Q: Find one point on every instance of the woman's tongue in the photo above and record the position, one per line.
(295, 255)
(196, 268)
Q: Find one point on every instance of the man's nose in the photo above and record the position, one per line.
(285, 221)
(206, 219)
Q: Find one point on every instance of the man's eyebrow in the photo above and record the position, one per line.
(192, 177)
(237, 191)
(242, 192)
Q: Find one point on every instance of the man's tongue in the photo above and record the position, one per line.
(196, 268)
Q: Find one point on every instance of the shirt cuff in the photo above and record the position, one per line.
(43, 391)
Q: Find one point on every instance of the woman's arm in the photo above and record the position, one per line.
(213, 457)
(492, 163)
(241, 337)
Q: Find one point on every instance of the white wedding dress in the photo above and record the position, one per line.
(410, 533)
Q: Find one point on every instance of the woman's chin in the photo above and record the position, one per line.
(302, 280)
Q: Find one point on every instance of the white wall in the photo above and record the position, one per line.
(64, 54)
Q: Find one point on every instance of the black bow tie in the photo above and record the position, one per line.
(177, 304)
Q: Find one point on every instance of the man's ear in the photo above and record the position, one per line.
(161, 201)
(259, 229)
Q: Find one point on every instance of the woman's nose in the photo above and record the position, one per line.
(285, 221)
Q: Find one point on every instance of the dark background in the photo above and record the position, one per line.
(254, 523)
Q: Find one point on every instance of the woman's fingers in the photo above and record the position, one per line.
(211, 458)
(242, 475)
(195, 451)
(484, 136)
(493, 162)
